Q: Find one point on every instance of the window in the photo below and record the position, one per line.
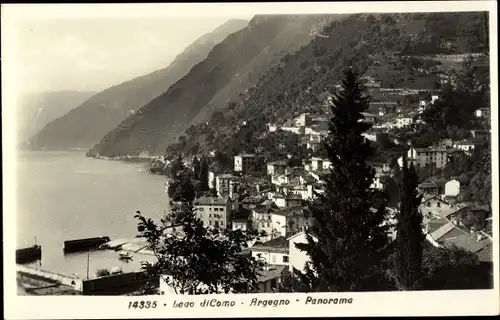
(428, 203)
(216, 209)
(439, 204)
(222, 223)
(285, 259)
(210, 222)
(210, 215)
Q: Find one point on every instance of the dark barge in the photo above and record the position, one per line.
(84, 244)
(29, 254)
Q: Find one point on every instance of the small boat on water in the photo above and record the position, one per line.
(125, 255)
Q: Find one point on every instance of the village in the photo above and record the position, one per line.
(274, 200)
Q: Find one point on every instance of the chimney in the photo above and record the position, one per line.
(472, 229)
(479, 236)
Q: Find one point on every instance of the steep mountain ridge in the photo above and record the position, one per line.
(36, 110)
(231, 67)
(83, 126)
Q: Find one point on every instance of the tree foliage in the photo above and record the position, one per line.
(407, 258)
(352, 239)
(453, 269)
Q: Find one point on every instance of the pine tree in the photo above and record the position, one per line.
(196, 167)
(407, 258)
(204, 172)
(176, 166)
(349, 216)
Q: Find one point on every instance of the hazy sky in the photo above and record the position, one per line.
(94, 54)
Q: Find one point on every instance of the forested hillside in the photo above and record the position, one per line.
(297, 81)
(85, 125)
(231, 67)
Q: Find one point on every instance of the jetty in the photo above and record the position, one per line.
(29, 254)
(84, 244)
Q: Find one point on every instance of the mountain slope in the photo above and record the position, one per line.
(231, 67)
(83, 126)
(299, 80)
(35, 110)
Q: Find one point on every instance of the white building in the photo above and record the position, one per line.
(452, 188)
(297, 257)
(274, 251)
(224, 183)
(466, 146)
(319, 164)
(279, 199)
(271, 127)
(482, 112)
(211, 178)
(303, 190)
(403, 122)
(378, 182)
(368, 117)
(240, 224)
(276, 167)
(214, 212)
(244, 162)
(281, 179)
(292, 129)
(435, 206)
(372, 136)
(302, 120)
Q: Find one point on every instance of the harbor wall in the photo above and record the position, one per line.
(29, 254)
(84, 244)
(76, 283)
(117, 284)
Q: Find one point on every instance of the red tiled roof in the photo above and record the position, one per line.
(272, 273)
(278, 244)
(469, 242)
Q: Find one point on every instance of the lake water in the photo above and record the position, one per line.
(65, 195)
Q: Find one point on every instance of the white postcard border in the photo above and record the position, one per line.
(467, 302)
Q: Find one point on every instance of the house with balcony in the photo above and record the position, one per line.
(273, 252)
(423, 157)
(223, 183)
